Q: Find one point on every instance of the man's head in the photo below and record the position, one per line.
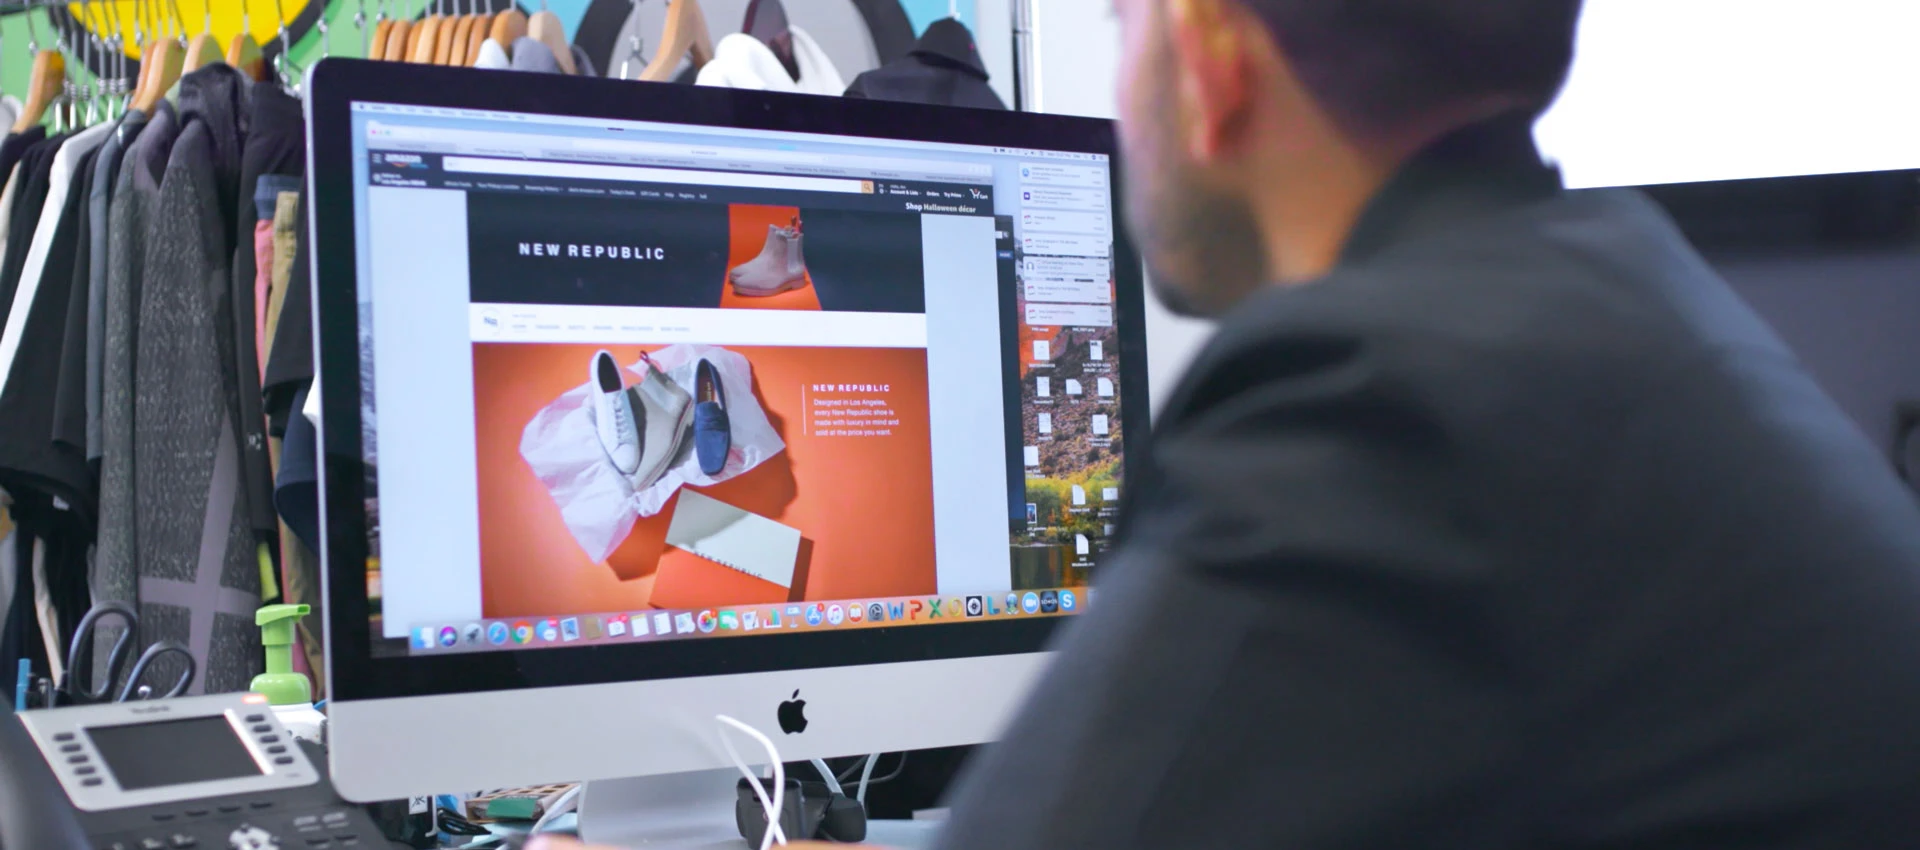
(1256, 130)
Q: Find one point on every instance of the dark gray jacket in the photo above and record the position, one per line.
(200, 573)
(136, 193)
(106, 173)
(1517, 530)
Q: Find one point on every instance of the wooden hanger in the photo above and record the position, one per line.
(685, 34)
(477, 36)
(508, 27)
(244, 53)
(397, 41)
(157, 78)
(424, 38)
(545, 27)
(204, 50)
(377, 48)
(43, 88)
(140, 78)
(443, 40)
(462, 43)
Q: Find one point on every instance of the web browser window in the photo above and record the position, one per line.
(639, 381)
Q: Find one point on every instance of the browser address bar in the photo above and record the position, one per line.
(643, 174)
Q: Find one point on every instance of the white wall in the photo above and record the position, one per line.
(1076, 53)
(1670, 91)
(1662, 91)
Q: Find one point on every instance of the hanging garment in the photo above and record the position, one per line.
(9, 577)
(48, 481)
(59, 569)
(290, 360)
(106, 172)
(136, 198)
(19, 628)
(296, 487)
(943, 69)
(60, 183)
(20, 635)
(15, 145)
(532, 55)
(741, 61)
(23, 218)
(855, 35)
(285, 236)
(10, 107)
(14, 187)
(199, 568)
(12, 150)
(492, 56)
(841, 32)
(69, 433)
(266, 202)
(297, 490)
(274, 146)
(582, 63)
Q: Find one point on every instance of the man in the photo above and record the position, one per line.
(1489, 519)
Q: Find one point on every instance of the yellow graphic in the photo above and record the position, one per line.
(188, 18)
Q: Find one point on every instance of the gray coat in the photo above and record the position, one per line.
(136, 192)
(200, 566)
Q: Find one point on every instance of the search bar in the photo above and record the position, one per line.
(642, 174)
(489, 144)
(702, 151)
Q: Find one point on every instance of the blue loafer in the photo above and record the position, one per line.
(712, 435)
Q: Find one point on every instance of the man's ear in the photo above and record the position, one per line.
(1213, 59)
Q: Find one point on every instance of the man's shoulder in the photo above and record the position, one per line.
(1597, 290)
(1529, 359)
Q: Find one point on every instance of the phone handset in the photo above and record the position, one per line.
(34, 812)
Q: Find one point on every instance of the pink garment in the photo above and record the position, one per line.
(262, 287)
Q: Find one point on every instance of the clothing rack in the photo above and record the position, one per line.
(110, 229)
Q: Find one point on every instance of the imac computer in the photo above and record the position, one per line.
(644, 403)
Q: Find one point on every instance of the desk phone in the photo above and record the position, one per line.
(214, 772)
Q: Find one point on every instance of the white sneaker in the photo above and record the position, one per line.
(613, 414)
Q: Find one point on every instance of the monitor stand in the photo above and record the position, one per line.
(694, 811)
(679, 811)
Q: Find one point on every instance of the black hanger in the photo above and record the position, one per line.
(767, 21)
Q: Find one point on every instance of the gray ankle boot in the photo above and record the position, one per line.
(781, 266)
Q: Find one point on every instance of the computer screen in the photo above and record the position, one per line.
(629, 382)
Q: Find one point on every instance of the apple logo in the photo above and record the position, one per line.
(793, 715)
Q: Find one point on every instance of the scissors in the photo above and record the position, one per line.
(81, 693)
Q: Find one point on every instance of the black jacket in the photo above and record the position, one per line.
(1517, 530)
(942, 69)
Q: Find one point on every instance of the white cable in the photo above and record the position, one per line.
(865, 774)
(826, 773)
(559, 807)
(773, 806)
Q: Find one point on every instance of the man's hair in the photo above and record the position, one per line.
(1380, 66)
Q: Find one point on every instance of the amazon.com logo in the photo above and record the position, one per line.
(591, 252)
